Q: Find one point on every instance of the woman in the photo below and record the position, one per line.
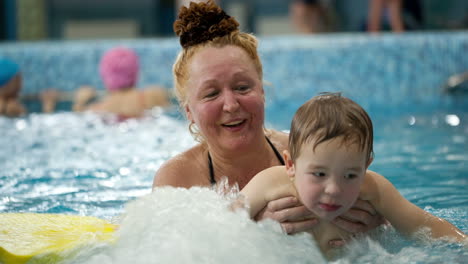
(218, 81)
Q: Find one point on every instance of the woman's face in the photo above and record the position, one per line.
(225, 97)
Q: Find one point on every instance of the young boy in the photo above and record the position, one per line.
(330, 142)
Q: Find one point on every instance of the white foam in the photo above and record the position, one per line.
(175, 225)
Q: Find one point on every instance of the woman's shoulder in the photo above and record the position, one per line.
(186, 169)
(278, 138)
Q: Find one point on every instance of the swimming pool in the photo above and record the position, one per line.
(85, 165)
(79, 164)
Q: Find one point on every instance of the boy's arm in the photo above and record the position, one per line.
(402, 214)
(262, 188)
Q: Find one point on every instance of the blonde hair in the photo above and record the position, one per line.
(245, 41)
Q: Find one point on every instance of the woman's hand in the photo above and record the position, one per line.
(362, 217)
(290, 213)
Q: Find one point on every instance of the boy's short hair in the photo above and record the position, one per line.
(327, 116)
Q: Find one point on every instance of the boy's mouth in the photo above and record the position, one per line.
(329, 207)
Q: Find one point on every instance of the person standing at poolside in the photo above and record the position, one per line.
(309, 16)
(218, 81)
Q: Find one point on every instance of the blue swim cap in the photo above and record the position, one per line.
(8, 69)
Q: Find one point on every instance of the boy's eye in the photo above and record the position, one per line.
(351, 176)
(319, 174)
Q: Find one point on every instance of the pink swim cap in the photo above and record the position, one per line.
(119, 68)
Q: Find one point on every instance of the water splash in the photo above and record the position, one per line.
(175, 225)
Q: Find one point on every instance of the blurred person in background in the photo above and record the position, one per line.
(396, 15)
(10, 87)
(119, 68)
(308, 16)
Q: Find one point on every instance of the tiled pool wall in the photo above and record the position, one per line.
(387, 70)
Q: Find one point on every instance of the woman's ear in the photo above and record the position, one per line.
(289, 164)
(188, 113)
(263, 94)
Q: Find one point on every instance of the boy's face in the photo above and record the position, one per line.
(328, 179)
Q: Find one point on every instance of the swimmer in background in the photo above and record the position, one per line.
(331, 147)
(119, 69)
(11, 81)
(10, 87)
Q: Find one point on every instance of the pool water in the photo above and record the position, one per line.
(84, 164)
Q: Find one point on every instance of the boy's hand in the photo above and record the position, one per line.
(290, 213)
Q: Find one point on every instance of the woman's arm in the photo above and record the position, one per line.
(402, 214)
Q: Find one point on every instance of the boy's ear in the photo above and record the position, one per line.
(289, 164)
(369, 162)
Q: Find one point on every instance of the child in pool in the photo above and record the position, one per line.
(330, 142)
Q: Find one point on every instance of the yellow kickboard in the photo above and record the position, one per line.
(48, 238)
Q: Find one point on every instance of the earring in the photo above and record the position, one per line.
(193, 128)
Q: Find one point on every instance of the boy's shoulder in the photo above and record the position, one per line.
(275, 173)
(274, 182)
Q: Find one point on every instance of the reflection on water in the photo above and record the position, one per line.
(81, 164)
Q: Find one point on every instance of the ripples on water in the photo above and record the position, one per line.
(80, 164)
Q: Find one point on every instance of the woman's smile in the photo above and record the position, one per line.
(235, 125)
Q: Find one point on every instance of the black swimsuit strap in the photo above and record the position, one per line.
(210, 165)
(210, 162)
(278, 155)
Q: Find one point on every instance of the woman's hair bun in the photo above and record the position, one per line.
(201, 22)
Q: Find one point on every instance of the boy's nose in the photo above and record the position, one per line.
(332, 188)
